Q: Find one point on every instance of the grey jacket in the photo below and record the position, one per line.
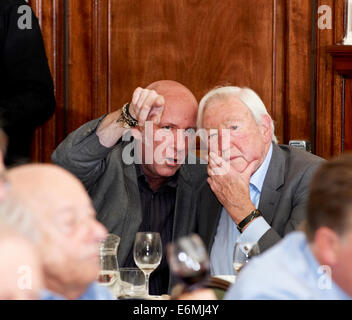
(282, 201)
(113, 187)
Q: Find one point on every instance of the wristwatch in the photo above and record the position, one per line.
(253, 215)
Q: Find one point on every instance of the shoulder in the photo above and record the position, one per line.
(298, 163)
(297, 156)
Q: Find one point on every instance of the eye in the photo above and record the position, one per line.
(234, 127)
(190, 130)
(166, 128)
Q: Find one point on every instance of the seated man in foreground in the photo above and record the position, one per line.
(316, 263)
(62, 213)
(257, 189)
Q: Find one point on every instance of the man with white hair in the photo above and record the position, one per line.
(262, 194)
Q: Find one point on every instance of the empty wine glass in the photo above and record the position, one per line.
(147, 253)
(189, 260)
(243, 252)
(108, 274)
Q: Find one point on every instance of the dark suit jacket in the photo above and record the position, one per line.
(282, 201)
(113, 186)
(26, 87)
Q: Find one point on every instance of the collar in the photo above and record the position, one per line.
(257, 178)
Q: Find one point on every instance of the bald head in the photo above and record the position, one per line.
(173, 88)
(43, 185)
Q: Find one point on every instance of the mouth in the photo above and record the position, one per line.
(172, 162)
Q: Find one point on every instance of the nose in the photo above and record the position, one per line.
(224, 140)
(179, 141)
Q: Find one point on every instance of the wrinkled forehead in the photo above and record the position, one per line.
(49, 193)
(223, 110)
(229, 103)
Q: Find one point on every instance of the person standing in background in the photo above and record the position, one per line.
(26, 87)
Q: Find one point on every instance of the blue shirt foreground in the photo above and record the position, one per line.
(94, 292)
(287, 271)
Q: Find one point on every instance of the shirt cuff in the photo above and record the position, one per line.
(254, 231)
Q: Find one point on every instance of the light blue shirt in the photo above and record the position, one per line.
(94, 292)
(227, 234)
(287, 271)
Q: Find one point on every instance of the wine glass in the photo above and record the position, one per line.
(108, 274)
(147, 253)
(189, 261)
(243, 252)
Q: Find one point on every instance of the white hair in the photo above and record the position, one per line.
(14, 215)
(250, 99)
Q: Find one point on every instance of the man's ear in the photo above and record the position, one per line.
(327, 246)
(266, 127)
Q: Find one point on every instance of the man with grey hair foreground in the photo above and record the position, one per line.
(262, 195)
(317, 263)
(62, 213)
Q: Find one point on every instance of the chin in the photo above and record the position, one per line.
(91, 275)
(167, 171)
(239, 164)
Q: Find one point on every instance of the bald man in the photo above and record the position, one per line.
(21, 275)
(149, 186)
(69, 233)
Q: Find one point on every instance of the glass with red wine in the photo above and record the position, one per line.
(189, 261)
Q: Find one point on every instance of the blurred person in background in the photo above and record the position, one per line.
(316, 263)
(26, 87)
(69, 233)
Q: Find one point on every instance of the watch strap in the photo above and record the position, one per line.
(253, 215)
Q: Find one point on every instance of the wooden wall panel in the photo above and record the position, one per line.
(51, 18)
(329, 111)
(298, 70)
(80, 63)
(199, 43)
(114, 46)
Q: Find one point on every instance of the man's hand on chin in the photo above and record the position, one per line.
(232, 188)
